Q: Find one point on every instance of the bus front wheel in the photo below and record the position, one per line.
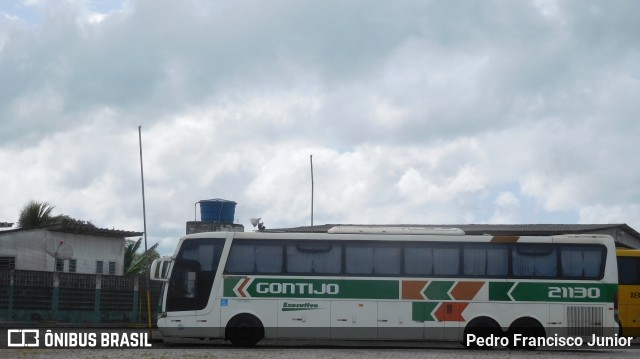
(244, 330)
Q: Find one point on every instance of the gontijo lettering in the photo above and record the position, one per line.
(297, 288)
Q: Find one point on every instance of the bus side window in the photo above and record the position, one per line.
(581, 261)
(446, 260)
(485, 260)
(314, 258)
(440, 259)
(629, 270)
(418, 260)
(372, 259)
(534, 260)
(249, 258)
(358, 260)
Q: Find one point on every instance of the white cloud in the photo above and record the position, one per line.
(427, 112)
(507, 200)
(507, 208)
(600, 213)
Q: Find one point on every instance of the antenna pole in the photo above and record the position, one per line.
(311, 160)
(144, 220)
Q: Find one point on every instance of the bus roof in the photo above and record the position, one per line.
(395, 230)
(573, 238)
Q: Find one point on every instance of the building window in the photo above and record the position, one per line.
(7, 262)
(112, 267)
(98, 267)
(59, 265)
(72, 266)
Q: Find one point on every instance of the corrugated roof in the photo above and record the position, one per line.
(80, 228)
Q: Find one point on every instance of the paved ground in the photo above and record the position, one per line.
(294, 352)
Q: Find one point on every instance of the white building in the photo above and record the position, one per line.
(95, 250)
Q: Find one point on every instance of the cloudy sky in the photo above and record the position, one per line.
(424, 112)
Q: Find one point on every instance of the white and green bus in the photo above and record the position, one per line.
(387, 284)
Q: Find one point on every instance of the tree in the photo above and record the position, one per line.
(36, 214)
(137, 263)
(130, 249)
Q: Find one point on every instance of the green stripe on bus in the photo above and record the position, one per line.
(421, 311)
(563, 292)
(438, 290)
(228, 285)
(435, 290)
(498, 291)
(316, 288)
(552, 292)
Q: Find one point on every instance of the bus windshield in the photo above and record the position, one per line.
(193, 273)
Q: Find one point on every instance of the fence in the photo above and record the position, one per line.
(33, 296)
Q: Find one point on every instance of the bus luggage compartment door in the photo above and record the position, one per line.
(354, 319)
(304, 319)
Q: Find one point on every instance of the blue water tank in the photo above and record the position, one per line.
(219, 210)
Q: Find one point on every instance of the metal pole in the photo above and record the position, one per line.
(311, 160)
(144, 219)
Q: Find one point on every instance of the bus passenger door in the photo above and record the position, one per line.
(181, 298)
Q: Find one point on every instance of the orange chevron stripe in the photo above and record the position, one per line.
(450, 312)
(466, 290)
(241, 287)
(412, 289)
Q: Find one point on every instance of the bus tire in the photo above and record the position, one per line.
(482, 327)
(525, 327)
(244, 330)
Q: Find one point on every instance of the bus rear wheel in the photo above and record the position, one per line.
(524, 332)
(244, 330)
(481, 328)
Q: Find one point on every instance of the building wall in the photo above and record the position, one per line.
(26, 246)
(208, 226)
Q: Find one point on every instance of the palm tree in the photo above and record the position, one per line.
(130, 249)
(36, 214)
(137, 263)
